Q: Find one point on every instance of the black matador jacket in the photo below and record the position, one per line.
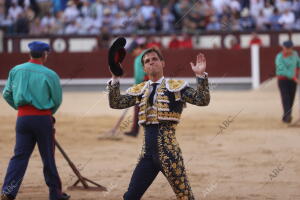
(171, 97)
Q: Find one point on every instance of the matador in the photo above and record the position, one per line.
(161, 102)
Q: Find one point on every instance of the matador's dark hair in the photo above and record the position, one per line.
(151, 50)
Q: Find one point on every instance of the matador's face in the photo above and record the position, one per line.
(153, 65)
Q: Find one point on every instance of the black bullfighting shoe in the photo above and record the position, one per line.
(64, 196)
(6, 197)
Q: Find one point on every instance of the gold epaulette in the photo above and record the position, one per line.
(175, 85)
(138, 89)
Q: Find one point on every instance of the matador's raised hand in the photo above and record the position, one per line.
(200, 66)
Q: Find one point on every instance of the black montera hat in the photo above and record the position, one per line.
(116, 55)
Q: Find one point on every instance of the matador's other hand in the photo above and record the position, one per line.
(200, 66)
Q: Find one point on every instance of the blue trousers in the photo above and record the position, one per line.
(162, 154)
(287, 91)
(144, 174)
(148, 167)
(29, 131)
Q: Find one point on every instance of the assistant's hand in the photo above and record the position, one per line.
(53, 120)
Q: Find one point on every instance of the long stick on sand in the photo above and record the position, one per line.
(112, 133)
(84, 181)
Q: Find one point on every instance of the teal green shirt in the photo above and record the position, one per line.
(33, 84)
(286, 66)
(139, 73)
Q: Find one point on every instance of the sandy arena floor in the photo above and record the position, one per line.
(256, 157)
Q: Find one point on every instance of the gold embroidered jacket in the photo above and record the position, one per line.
(171, 97)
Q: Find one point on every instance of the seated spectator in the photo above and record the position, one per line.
(113, 6)
(247, 22)
(130, 22)
(59, 5)
(6, 23)
(213, 25)
(235, 24)
(287, 19)
(153, 25)
(97, 25)
(78, 3)
(7, 4)
(141, 24)
(72, 28)
(147, 9)
(88, 25)
(97, 9)
(14, 11)
(274, 21)
(297, 24)
(71, 12)
(44, 6)
(58, 27)
(125, 4)
(283, 5)
(85, 9)
(194, 21)
(107, 19)
(118, 23)
(296, 8)
(255, 39)
(35, 27)
(30, 4)
(174, 42)
(226, 23)
(226, 12)
(255, 7)
(219, 5)
(22, 24)
(209, 8)
(2, 16)
(235, 5)
(167, 20)
(137, 2)
(48, 23)
(261, 21)
(268, 10)
(181, 8)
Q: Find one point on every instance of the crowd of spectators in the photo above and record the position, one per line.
(37, 17)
